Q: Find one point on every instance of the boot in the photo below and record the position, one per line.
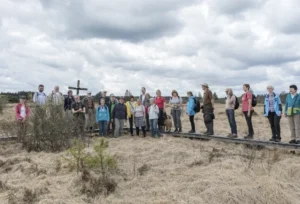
(179, 130)
(176, 130)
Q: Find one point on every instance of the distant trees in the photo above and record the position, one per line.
(215, 96)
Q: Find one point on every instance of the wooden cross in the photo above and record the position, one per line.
(78, 88)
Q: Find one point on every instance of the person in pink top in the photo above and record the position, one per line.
(22, 114)
(161, 104)
(248, 110)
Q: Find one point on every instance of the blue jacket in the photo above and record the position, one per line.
(277, 105)
(190, 106)
(102, 114)
(292, 105)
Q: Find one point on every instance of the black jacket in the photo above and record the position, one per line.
(68, 103)
(120, 111)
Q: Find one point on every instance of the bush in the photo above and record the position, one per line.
(3, 102)
(49, 129)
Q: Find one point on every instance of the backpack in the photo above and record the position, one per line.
(104, 106)
(237, 103)
(197, 105)
(254, 100)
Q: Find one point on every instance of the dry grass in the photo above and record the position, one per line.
(161, 171)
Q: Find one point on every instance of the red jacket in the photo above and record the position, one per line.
(18, 111)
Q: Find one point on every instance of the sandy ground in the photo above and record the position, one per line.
(180, 170)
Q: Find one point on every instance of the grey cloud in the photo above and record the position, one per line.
(233, 7)
(126, 20)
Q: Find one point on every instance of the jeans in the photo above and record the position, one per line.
(102, 127)
(176, 114)
(119, 126)
(138, 131)
(154, 127)
(131, 124)
(275, 125)
(249, 122)
(192, 122)
(231, 119)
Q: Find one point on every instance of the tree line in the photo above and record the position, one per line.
(13, 97)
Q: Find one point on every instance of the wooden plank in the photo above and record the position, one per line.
(220, 138)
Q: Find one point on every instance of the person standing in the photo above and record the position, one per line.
(106, 98)
(119, 115)
(56, 101)
(143, 95)
(69, 100)
(89, 105)
(22, 111)
(56, 98)
(39, 112)
(273, 111)
(248, 110)
(140, 118)
(230, 112)
(160, 101)
(153, 117)
(147, 105)
(208, 109)
(190, 110)
(111, 125)
(40, 98)
(78, 111)
(292, 112)
(102, 117)
(130, 105)
(176, 105)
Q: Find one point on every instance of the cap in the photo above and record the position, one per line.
(121, 97)
(89, 92)
(104, 91)
(112, 95)
(205, 84)
(22, 97)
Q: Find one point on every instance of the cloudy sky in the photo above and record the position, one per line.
(167, 44)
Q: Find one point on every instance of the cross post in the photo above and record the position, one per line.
(78, 88)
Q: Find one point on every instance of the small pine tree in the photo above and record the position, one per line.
(77, 155)
(200, 96)
(215, 96)
(102, 159)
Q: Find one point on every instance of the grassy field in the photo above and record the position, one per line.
(163, 171)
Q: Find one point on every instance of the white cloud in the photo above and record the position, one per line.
(164, 45)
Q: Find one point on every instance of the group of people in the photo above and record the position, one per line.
(149, 114)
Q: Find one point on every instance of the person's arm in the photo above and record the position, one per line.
(18, 115)
(125, 114)
(286, 105)
(83, 108)
(156, 110)
(73, 109)
(66, 104)
(164, 106)
(27, 112)
(212, 100)
(34, 98)
(107, 112)
(249, 103)
(280, 105)
(113, 113)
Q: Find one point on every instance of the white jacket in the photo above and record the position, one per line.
(153, 112)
